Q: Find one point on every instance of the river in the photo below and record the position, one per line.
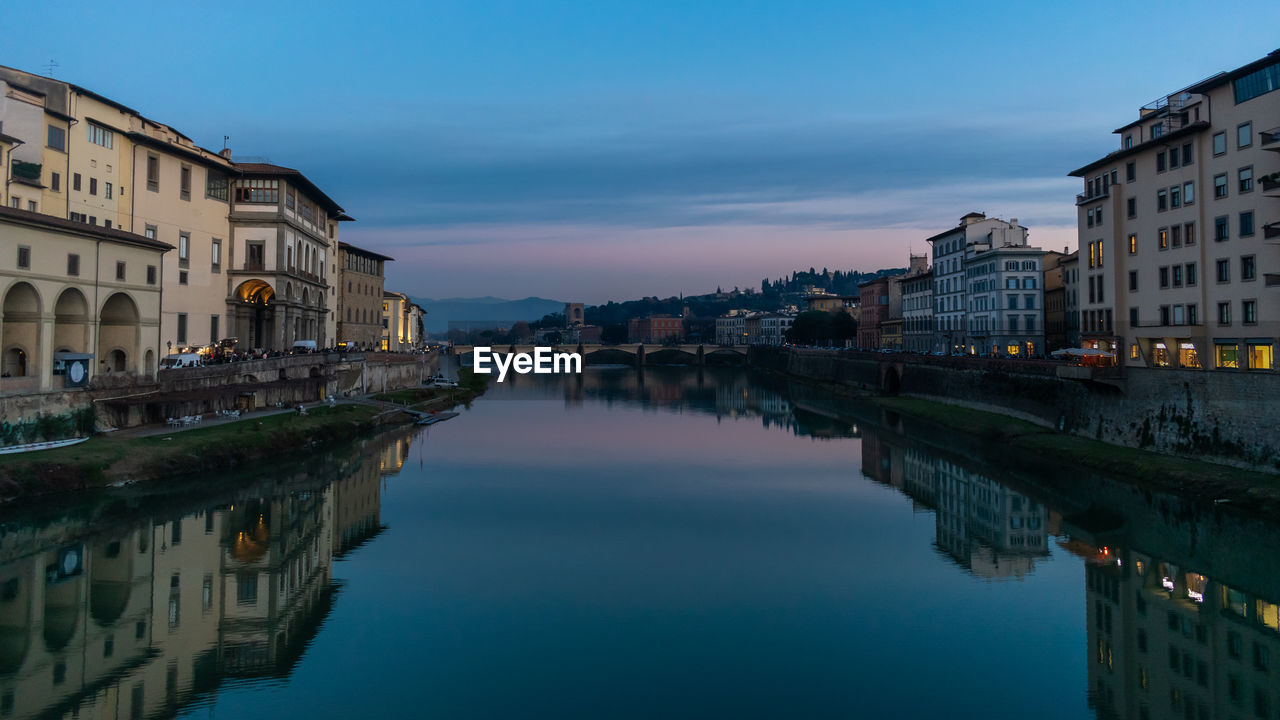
(677, 543)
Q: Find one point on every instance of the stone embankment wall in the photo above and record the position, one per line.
(126, 401)
(1216, 415)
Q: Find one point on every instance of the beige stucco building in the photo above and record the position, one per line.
(402, 323)
(284, 235)
(68, 287)
(256, 243)
(360, 291)
(1179, 241)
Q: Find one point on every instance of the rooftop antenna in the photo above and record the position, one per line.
(225, 138)
(50, 67)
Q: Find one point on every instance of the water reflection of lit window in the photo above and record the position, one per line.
(1140, 568)
(1235, 601)
(1195, 586)
(1269, 614)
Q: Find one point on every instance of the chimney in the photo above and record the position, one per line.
(225, 152)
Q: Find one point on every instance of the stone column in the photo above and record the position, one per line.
(280, 330)
(43, 354)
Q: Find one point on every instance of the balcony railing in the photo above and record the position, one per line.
(1270, 185)
(1085, 197)
(1271, 231)
(252, 266)
(1270, 140)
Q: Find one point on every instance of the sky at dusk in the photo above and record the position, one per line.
(597, 150)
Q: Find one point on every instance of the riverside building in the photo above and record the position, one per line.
(1179, 228)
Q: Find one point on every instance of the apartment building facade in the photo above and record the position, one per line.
(950, 248)
(1179, 239)
(731, 329)
(917, 313)
(360, 290)
(1005, 301)
(768, 328)
(402, 323)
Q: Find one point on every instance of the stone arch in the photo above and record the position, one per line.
(71, 321)
(20, 332)
(15, 621)
(254, 320)
(119, 333)
(150, 363)
(891, 381)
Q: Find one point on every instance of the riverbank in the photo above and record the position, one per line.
(110, 459)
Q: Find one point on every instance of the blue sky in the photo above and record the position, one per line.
(595, 150)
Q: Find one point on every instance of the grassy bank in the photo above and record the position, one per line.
(1184, 476)
(237, 446)
(104, 459)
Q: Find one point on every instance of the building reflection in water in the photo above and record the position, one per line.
(1168, 642)
(992, 531)
(140, 621)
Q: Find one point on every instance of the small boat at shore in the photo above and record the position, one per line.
(438, 417)
(32, 447)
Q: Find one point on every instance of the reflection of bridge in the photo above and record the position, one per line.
(632, 353)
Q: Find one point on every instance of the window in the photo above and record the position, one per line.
(1193, 314)
(1244, 135)
(1228, 356)
(1133, 244)
(1160, 162)
(1175, 196)
(1130, 171)
(151, 274)
(183, 276)
(1246, 223)
(93, 186)
(24, 257)
(1189, 233)
(32, 205)
(1224, 270)
(184, 182)
(213, 328)
(1175, 236)
(1162, 200)
(75, 181)
(106, 190)
(1188, 193)
(153, 173)
(1128, 141)
(99, 135)
(1221, 228)
(1249, 312)
(215, 185)
(57, 138)
(55, 182)
(1012, 302)
(215, 255)
(1163, 235)
(1191, 274)
(73, 264)
(1098, 214)
(1245, 177)
(1258, 82)
(119, 270)
(258, 191)
(1089, 214)
(184, 248)
(1248, 268)
(1131, 205)
(1164, 315)
(1013, 323)
(1164, 277)
(1099, 244)
(150, 232)
(1187, 158)
(1133, 282)
(182, 328)
(1261, 356)
(1220, 186)
(1219, 143)
(1177, 276)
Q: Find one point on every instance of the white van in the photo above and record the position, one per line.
(303, 346)
(181, 360)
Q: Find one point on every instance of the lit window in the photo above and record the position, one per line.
(1261, 357)
(1227, 356)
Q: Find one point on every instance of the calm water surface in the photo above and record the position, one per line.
(672, 544)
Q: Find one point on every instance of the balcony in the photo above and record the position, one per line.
(1270, 185)
(1085, 197)
(1270, 140)
(252, 266)
(1271, 231)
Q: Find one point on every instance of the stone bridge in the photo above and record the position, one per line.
(632, 353)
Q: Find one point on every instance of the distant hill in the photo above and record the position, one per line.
(441, 311)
